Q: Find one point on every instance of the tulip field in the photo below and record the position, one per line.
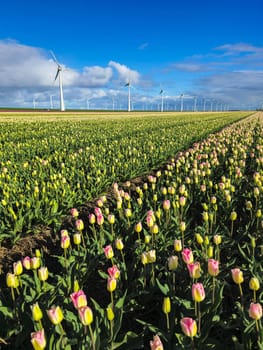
(156, 224)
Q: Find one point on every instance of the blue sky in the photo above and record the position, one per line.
(209, 49)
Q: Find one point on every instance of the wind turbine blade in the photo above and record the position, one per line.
(57, 74)
(54, 57)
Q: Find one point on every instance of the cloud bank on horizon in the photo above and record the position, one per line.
(230, 74)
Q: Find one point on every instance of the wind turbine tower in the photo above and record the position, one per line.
(182, 102)
(204, 104)
(51, 101)
(59, 76)
(129, 95)
(195, 103)
(161, 93)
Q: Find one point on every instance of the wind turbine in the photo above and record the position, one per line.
(161, 93)
(51, 101)
(195, 103)
(204, 104)
(59, 76)
(129, 95)
(182, 102)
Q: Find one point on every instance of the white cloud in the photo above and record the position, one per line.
(230, 72)
(28, 73)
(236, 87)
(94, 76)
(189, 67)
(125, 74)
(233, 49)
(24, 66)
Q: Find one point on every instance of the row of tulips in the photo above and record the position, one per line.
(172, 262)
(47, 167)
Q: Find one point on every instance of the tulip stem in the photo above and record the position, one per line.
(241, 295)
(111, 331)
(218, 254)
(192, 343)
(61, 329)
(112, 232)
(112, 302)
(65, 258)
(199, 318)
(40, 324)
(213, 291)
(257, 327)
(124, 263)
(167, 322)
(92, 338)
(13, 294)
(232, 227)
(173, 281)
(240, 290)
(94, 232)
(153, 276)
(82, 238)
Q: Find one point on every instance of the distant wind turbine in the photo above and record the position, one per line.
(34, 102)
(182, 102)
(59, 76)
(161, 93)
(51, 101)
(204, 104)
(129, 95)
(195, 103)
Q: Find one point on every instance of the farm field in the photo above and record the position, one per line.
(158, 221)
(51, 162)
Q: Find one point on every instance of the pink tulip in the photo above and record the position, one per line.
(65, 242)
(255, 311)
(189, 326)
(97, 211)
(111, 284)
(213, 267)
(108, 251)
(55, 315)
(92, 219)
(194, 270)
(187, 256)
(85, 315)
(166, 204)
(156, 343)
(237, 275)
(27, 262)
(100, 219)
(74, 212)
(198, 292)
(114, 272)
(79, 299)
(38, 340)
(79, 225)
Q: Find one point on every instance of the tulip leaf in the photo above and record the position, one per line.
(130, 341)
(164, 288)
